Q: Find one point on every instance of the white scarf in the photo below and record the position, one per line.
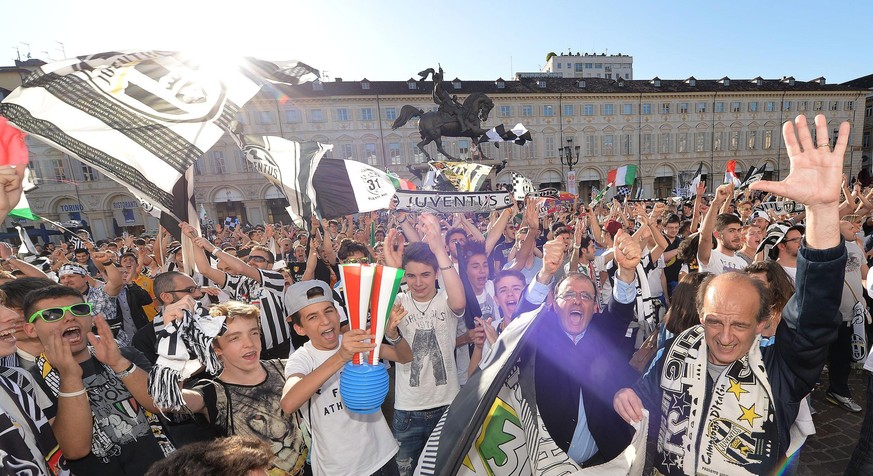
(740, 435)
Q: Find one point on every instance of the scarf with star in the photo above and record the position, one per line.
(739, 430)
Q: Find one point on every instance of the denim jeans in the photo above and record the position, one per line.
(861, 462)
(412, 429)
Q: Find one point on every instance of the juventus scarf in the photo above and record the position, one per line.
(738, 436)
(182, 347)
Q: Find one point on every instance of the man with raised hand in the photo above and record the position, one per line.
(728, 236)
(251, 281)
(576, 356)
(726, 408)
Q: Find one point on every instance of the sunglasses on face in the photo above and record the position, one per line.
(258, 259)
(189, 290)
(356, 261)
(54, 314)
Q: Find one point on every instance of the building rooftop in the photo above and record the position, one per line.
(545, 85)
(864, 82)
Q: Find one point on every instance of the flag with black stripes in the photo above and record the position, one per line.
(314, 186)
(140, 117)
(521, 186)
(518, 134)
(464, 176)
(753, 175)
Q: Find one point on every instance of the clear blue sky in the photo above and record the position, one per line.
(393, 40)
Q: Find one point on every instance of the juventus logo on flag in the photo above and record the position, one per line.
(521, 186)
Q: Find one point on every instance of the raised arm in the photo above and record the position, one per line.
(106, 265)
(450, 279)
(814, 179)
(704, 251)
(216, 276)
(495, 231)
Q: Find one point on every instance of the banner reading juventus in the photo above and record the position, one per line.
(451, 202)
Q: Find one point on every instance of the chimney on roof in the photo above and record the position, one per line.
(338, 80)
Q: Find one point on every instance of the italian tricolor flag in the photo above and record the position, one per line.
(622, 176)
(399, 183)
(22, 210)
(730, 173)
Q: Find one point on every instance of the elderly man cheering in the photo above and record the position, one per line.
(725, 408)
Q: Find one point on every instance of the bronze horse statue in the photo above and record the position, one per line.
(451, 120)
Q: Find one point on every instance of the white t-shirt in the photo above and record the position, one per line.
(791, 271)
(489, 310)
(720, 263)
(338, 435)
(431, 379)
(852, 287)
(654, 277)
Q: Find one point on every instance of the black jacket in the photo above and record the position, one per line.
(810, 322)
(137, 297)
(597, 365)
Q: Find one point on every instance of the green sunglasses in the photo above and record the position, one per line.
(54, 314)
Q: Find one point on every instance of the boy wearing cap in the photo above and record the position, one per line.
(342, 442)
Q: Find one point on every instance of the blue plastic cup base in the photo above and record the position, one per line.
(363, 387)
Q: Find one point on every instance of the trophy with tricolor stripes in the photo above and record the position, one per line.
(364, 382)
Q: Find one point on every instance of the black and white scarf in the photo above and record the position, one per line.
(183, 346)
(739, 437)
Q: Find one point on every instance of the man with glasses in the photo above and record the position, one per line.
(786, 243)
(254, 282)
(99, 393)
(576, 359)
(103, 296)
(170, 288)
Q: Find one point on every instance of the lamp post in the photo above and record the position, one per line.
(569, 158)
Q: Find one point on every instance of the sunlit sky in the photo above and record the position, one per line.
(393, 40)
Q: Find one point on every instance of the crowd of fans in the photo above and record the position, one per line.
(748, 303)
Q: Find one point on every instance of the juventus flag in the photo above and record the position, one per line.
(521, 186)
(752, 175)
(464, 176)
(518, 134)
(325, 188)
(140, 117)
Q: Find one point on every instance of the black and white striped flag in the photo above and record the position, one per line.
(324, 188)
(521, 186)
(140, 117)
(753, 175)
(518, 134)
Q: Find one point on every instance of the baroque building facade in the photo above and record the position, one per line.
(666, 127)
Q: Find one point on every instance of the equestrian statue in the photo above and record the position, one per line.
(452, 119)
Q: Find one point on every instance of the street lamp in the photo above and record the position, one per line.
(570, 159)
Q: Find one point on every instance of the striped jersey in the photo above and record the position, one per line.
(269, 296)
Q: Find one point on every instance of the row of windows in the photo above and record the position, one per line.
(607, 66)
(63, 170)
(342, 114)
(591, 145)
(681, 108)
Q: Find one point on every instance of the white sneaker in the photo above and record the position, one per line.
(846, 402)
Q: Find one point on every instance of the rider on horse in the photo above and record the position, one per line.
(447, 104)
